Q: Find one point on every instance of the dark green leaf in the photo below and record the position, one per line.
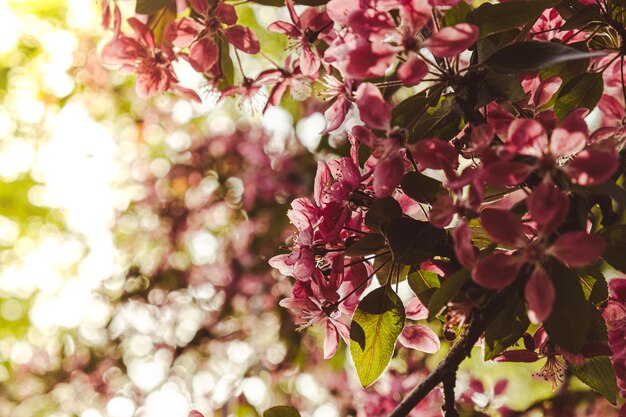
(381, 211)
(408, 109)
(281, 411)
(441, 122)
(447, 292)
(500, 86)
(227, 67)
(568, 325)
(583, 90)
(594, 286)
(485, 47)
(376, 325)
(598, 331)
(412, 241)
(457, 14)
(367, 245)
(494, 18)
(616, 246)
(598, 374)
(583, 18)
(396, 272)
(422, 188)
(424, 284)
(507, 328)
(150, 6)
(532, 56)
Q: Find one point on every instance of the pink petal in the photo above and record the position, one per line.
(243, 39)
(578, 249)
(502, 226)
(436, 154)
(370, 60)
(506, 173)
(482, 135)
(415, 310)
(546, 90)
(285, 28)
(539, 293)
(452, 40)
(144, 34)
(331, 341)
(442, 212)
(591, 167)
(564, 143)
(528, 137)
(292, 13)
(194, 413)
(182, 32)
(412, 71)
(420, 338)
(203, 54)
(225, 13)
(309, 61)
(548, 206)
(575, 122)
(463, 248)
(500, 387)
(374, 110)
(336, 114)
(496, 270)
(199, 6)
(387, 175)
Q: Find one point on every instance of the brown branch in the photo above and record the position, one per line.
(449, 406)
(448, 366)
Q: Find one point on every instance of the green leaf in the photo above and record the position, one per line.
(496, 86)
(150, 6)
(412, 241)
(583, 90)
(407, 109)
(227, 68)
(495, 18)
(616, 246)
(568, 325)
(507, 328)
(367, 245)
(376, 325)
(424, 284)
(441, 122)
(456, 14)
(281, 411)
(422, 188)
(385, 268)
(594, 286)
(447, 292)
(599, 375)
(382, 211)
(532, 56)
(583, 18)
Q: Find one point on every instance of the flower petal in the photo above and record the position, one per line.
(502, 226)
(539, 293)
(420, 338)
(578, 249)
(452, 40)
(496, 270)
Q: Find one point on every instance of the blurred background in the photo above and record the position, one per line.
(134, 239)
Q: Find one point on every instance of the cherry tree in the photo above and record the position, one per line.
(483, 169)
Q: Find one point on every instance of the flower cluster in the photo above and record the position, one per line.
(484, 167)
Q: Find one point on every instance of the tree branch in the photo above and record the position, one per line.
(448, 366)
(449, 406)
